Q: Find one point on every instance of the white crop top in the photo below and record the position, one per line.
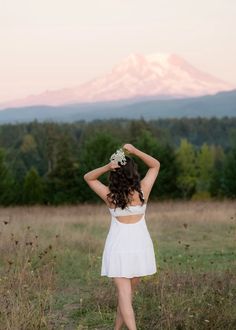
(129, 210)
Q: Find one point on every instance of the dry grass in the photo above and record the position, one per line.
(50, 259)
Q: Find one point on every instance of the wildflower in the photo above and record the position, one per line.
(119, 156)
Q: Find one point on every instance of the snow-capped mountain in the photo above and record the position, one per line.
(137, 76)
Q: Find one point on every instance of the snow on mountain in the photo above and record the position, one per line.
(137, 76)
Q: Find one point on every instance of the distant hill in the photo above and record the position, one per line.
(218, 105)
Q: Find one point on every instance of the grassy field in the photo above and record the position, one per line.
(50, 261)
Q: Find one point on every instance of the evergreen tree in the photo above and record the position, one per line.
(216, 183)
(51, 140)
(32, 188)
(6, 181)
(62, 181)
(96, 152)
(205, 165)
(229, 174)
(165, 185)
(187, 177)
(135, 127)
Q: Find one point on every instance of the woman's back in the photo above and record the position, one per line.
(132, 213)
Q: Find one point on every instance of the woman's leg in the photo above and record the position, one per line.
(134, 282)
(120, 320)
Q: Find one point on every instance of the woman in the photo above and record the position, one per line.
(128, 252)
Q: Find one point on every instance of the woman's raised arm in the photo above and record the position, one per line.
(97, 186)
(153, 164)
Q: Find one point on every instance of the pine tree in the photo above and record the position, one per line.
(32, 187)
(216, 183)
(6, 181)
(229, 174)
(205, 165)
(62, 181)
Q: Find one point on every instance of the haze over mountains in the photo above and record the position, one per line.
(220, 105)
(137, 77)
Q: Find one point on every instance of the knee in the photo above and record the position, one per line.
(134, 283)
(125, 292)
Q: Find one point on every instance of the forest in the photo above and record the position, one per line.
(44, 162)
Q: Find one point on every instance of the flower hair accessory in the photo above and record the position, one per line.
(119, 156)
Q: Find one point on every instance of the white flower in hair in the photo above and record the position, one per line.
(119, 156)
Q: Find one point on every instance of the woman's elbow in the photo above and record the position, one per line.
(157, 164)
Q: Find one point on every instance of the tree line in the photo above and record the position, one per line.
(44, 163)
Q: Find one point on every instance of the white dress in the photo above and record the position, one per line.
(128, 250)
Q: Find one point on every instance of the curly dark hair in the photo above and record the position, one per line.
(123, 181)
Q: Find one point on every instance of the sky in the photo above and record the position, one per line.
(53, 44)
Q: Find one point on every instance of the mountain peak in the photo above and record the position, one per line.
(137, 75)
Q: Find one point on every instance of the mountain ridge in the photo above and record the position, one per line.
(156, 75)
(219, 105)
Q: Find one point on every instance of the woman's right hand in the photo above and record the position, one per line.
(129, 147)
(112, 166)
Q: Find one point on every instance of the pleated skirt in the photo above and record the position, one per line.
(128, 250)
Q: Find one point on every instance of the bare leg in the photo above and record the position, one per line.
(134, 282)
(119, 317)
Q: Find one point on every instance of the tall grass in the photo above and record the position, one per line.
(50, 259)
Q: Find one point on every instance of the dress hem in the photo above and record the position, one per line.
(131, 276)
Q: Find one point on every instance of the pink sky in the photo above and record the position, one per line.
(55, 44)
